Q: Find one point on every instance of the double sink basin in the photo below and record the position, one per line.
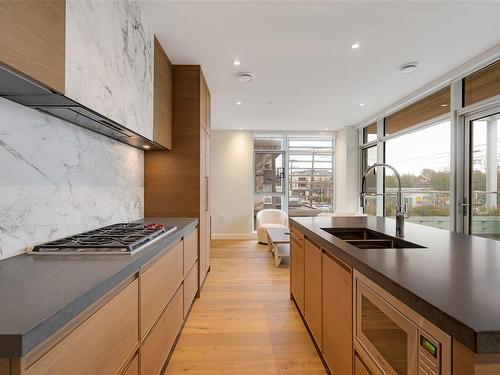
(364, 238)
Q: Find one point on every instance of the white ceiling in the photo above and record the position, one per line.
(300, 53)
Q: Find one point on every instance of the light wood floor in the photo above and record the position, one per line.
(244, 322)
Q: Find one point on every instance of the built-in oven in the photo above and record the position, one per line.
(393, 342)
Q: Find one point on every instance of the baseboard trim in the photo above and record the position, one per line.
(234, 236)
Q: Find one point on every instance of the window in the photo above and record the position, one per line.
(297, 168)
(369, 157)
(422, 158)
(310, 176)
(370, 133)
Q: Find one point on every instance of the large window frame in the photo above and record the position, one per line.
(459, 116)
(286, 137)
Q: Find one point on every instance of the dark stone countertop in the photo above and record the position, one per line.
(454, 282)
(41, 293)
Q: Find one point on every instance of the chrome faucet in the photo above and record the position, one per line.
(400, 207)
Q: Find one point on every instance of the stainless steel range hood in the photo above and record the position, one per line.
(30, 94)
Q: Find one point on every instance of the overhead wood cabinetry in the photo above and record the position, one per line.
(162, 106)
(78, 49)
(32, 40)
(131, 330)
(177, 182)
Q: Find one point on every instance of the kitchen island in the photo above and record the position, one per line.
(451, 281)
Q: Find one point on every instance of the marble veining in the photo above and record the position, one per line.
(109, 58)
(57, 179)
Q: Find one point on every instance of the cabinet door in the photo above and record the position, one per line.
(101, 344)
(359, 367)
(312, 290)
(158, 284)
(190, 251)
(190, 288)
(162, 105)
(133, 368)
(208, 209)
(203, 209)
(297, 270)
(337, 315)
(32, 39)
(158, 344)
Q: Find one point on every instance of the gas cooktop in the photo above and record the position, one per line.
(123, 238)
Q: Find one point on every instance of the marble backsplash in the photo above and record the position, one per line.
(57, 179)
(109, 61)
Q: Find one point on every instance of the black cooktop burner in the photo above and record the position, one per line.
(124, 238)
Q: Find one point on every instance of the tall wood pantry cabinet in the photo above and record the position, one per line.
(177, 182)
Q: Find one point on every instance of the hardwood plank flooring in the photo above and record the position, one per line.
(244, 322)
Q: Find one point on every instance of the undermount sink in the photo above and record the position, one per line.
(364, 238)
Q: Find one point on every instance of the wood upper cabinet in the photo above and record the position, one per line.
(337, 316)
(312, 290)
(32, 40)
(162, 104)
(297, 267)
(177, 182)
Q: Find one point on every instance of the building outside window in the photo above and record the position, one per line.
(294, 174)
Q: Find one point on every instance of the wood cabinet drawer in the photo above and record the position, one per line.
(158, 283)
(133, 368)
(158, 344)
(359, 367)
(312, 290)
(101, 344)
(297, 233)
(190, 250)
(190, 288)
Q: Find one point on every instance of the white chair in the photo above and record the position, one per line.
(270, 218)
(340, 213)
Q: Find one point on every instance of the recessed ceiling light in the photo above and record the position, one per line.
(361, 104)
(239, 103)
(146, 147)
(236, 62)
(408, 67)
(241, 128)
(355, 46)
(326, 129)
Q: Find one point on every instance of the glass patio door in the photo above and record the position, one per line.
(482, 203)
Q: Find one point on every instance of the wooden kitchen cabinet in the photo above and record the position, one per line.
(177, 182)
(337, 315)
(190, 251)
(162, 97)
(313, 290)
(359, 367)
(158, 344)
(158, 284)
(133, 368)
(190, 288)
(297, 268)
(100, 345)
(32, 40)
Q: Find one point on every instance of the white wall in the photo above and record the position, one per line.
(347, 170)
(232, 185)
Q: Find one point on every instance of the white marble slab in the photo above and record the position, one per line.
(57, 179)
(109, 59)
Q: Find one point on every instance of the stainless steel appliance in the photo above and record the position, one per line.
(123, 238)
(393, 342)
